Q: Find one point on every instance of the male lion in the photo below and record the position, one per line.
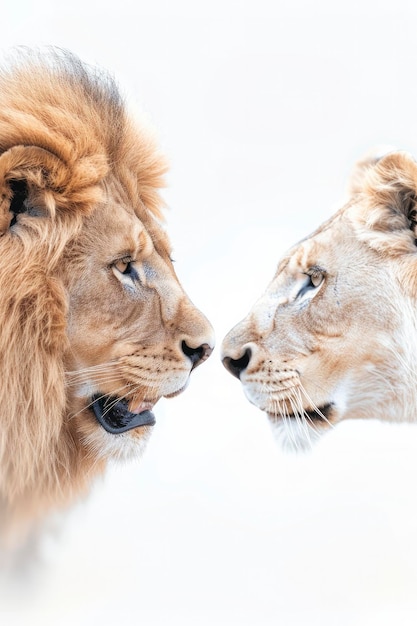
(335, 334)
(95, 327)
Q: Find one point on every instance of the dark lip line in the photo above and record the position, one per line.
(121, 422)
(314, 416)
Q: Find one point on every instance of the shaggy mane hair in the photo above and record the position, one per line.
(63, 126)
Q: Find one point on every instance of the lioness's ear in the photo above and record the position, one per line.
(391, 186)
(361, 167)
(385, 210)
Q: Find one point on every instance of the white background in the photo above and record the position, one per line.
(262, 109)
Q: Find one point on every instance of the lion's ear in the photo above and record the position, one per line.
(385, 209)
(25, 172)
(19, 201)
(38, 183)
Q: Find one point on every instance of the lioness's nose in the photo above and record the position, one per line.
(236, 366)
(196, 355)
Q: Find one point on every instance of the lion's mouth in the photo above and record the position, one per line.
(114, 416)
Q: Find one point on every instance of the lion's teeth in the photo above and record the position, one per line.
(139, 407)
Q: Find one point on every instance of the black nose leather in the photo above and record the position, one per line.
(196, 355)
(237, 366)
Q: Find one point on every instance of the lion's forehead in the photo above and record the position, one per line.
(136, 240)
(118, 230)
(128, 233)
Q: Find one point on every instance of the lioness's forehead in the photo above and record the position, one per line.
(306, 254)
(300, 256)
(319, 248)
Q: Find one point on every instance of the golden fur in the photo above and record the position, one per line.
(90, 303)
(335, 334)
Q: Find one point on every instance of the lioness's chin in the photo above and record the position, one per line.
(297, 434)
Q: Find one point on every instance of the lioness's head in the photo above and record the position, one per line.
(95, 327)
(335, 334)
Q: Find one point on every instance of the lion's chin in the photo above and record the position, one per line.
(176, 393)
(120, 447)
(115, 417)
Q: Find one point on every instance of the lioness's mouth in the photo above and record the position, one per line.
(320, 414)
(115, 417)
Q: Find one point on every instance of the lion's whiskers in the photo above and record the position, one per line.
(105, 379)
(104, 395)
(130, 390)
(91, 368)
(84, 375)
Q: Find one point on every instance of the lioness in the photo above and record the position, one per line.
(94, 325)
(335, 334)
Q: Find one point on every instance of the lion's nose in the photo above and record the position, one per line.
(196, 355)
(237, 366)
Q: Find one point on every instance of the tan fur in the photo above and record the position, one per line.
(71, 323)
(310, 355)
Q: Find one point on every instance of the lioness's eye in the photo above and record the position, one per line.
(313, 281)
(316, 279)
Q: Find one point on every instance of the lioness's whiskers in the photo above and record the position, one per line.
(412, 370)
(296, 416)
(315, 384)
(311, 426)
(314, 407)
(288, 426)
(288, 405)
(308, 425)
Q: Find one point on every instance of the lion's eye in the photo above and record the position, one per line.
(123, 266)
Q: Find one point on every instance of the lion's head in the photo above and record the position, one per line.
(95, 327)
(335, 334)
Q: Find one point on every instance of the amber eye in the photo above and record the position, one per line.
(316, 279)
(122, 266)
(126, 271)
(313, 281)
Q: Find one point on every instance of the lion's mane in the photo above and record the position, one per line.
(62, 126)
